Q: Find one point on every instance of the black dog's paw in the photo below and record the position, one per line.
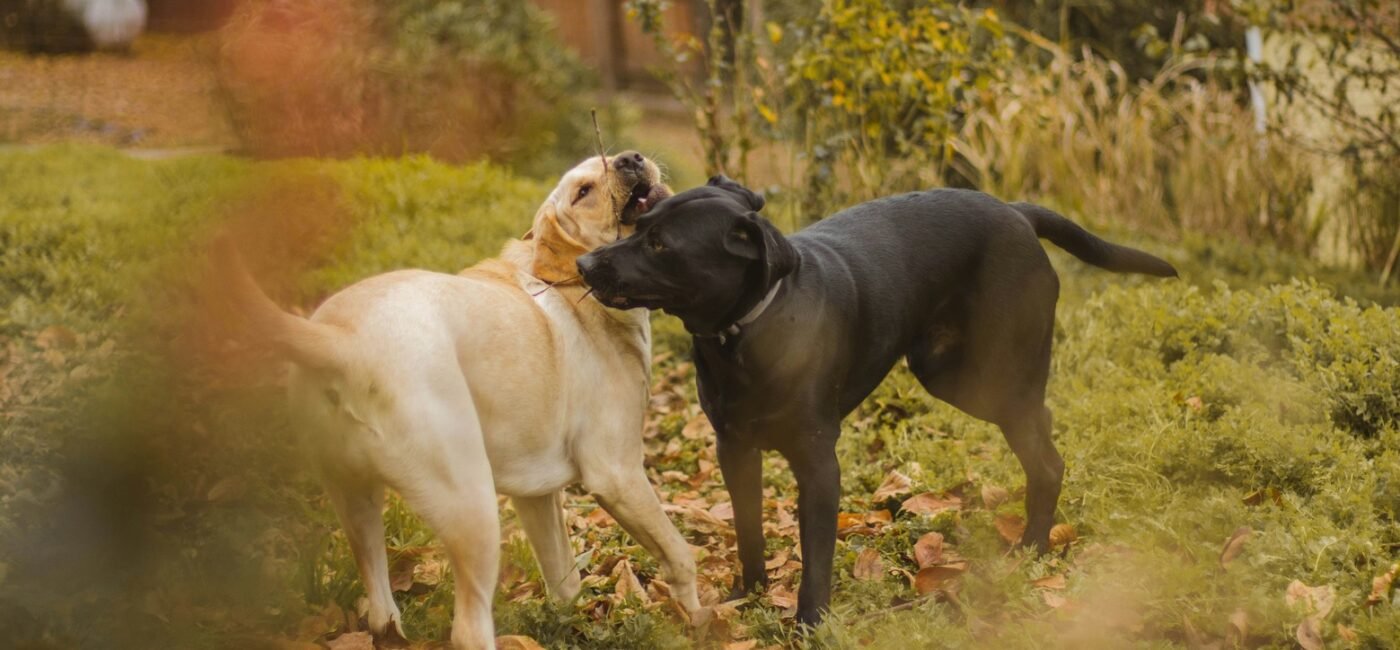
(754, 200)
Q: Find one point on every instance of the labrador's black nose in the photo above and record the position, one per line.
(630, 161)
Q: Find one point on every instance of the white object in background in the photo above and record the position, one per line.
(1254, 47)
(110, 23)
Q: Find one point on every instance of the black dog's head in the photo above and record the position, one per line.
(701, 255)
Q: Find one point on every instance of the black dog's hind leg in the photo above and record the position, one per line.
(742, 468)
(1029, 437)
(818, 497)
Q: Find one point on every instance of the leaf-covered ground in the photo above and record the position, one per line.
(1231, 437)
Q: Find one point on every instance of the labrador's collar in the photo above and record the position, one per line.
(734, 328)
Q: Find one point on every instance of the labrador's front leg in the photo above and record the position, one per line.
(742, 467)
(818, 497)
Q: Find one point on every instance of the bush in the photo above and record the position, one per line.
(458, 79)
(1171, 155)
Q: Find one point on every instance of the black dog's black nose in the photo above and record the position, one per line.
(586, 264)
(629, 160)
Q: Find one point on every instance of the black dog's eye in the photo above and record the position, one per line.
(657, 245)
(582, 192)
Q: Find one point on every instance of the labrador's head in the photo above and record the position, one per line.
(702, 255)
(593, 204)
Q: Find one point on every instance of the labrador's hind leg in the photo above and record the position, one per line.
(1029, 437)
(444, 475)
(360, 508)
(542, 517)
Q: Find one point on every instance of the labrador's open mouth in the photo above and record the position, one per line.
(644, 196)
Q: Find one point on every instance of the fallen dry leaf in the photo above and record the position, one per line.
(930, 579)
(928, 551)
(723, 511)
(517, 642)
(878, 517)
(1010, 527)
(627, 582)
(352, 641)
(749, 644)
(929, 503)
(895, 484)
(868, 565)
(993, 496)
(1308, 634)
(1235, 545)
(698, 427)
(780, 558)
(1239, 629)
(1381, 586)
(1347, 634)
(781, 597)
(1056, 581)
(1195, 403)
(1052, 599)
(1062, 534)
(1314, 601)
(849, 520)
(56, 337)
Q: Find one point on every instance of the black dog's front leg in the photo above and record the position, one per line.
(742, 467)
(818, 498)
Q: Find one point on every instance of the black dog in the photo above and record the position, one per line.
(791, 333)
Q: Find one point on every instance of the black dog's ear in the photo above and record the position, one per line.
(753, 199)
(753, 237)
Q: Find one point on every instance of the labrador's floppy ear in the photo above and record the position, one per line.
(556, 251)
(756, 238)
(753, 199)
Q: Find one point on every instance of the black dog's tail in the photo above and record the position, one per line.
(1084, 245)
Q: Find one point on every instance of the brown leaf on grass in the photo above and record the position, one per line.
(229, 488)
(627, 582)
(1381, 586)
(895, 484)
(780, 558)
(878, 517)
(56, 337)
(401, 572)
(993, 496)
(749, 644)
(1062, 534)
(1052, 599)
(781, 597)
(724, 511)
(930, 579)
(848, 520)
(1235, 545)
(517, 642)
(1056, 581)
(698, 427)
(1195, 403)
(1010, 527)
(928, 551)
(1308, 634)
(352, 641)
(1313, 601)
(1239, 629)
(868, 565)
(1347, 634)
(929, 503)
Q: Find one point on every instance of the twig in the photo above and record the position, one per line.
(597, 132)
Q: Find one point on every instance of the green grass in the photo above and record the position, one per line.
(1175, 402)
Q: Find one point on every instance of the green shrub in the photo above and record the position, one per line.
(458, 79)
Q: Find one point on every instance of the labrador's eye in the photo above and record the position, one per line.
(582, 192)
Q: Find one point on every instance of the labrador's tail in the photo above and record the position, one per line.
(308, 343)
(1086, 246)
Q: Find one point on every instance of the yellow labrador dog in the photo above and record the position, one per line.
(505, 378)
